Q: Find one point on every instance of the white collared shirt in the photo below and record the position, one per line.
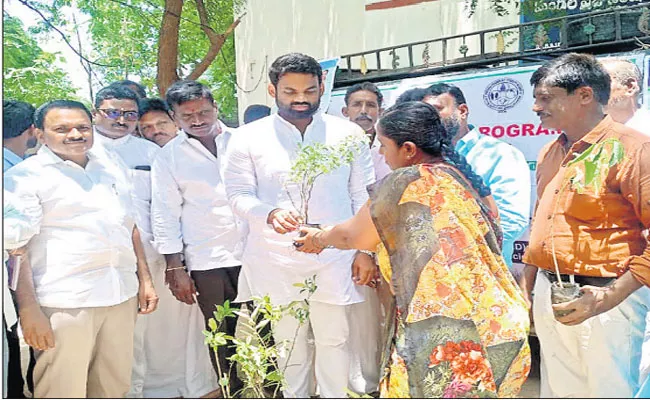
(378, 161)
(258, 162)
(189, 209)
(136, 156)
(80, 241)
(640, 121)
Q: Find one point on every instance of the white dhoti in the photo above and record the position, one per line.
(170, 357)
(365, 335)
(597, 358)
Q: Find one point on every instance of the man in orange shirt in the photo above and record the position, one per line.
(588, 223)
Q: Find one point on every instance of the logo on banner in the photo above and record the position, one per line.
(503, 94)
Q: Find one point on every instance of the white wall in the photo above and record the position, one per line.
(327, 28)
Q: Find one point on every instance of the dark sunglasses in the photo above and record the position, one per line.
(112, 113)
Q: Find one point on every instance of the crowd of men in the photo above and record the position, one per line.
(134, 219)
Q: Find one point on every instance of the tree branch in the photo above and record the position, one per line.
(216, 40)
(67, 42)
(139, 10)
(86, 67)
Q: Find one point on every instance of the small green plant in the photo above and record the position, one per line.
(315, 160)
(255, 354)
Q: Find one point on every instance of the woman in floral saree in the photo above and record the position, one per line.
(460, 323)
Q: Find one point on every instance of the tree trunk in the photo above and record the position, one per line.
(168, 46)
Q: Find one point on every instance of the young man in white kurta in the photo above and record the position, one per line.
(258, 163)
(169, 359)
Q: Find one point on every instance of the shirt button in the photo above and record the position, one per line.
(557, 191)
(549, 217)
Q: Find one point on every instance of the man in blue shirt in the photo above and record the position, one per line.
(17, 131)
(502, 166)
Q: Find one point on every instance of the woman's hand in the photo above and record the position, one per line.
(309, 243)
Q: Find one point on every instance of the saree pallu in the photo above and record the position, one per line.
(459, 323)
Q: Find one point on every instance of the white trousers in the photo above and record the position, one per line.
(170, 357)
(365, 333)
(328, 325)
(597, 358)
(645, 356)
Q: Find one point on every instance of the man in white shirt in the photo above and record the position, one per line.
(363, 105)
(624, 108)
(84, 272)
(191, 216)
(156, 123)
(156, 373)
(258, 162)
(624, 100)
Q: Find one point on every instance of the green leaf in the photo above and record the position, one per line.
(212, 324)
(275, 376)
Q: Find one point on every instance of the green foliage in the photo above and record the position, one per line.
(28, 71)
(315, 160)
(591, 167)
(124, 36)
(255, 356)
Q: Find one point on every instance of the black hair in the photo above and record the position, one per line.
(41, 112)
(443, 88)
(367, 86)
(118, 92)
(139, 88)
(152, 104)
(255, 112)
(294, 63)
(416, 94)
(419, 123)
(17, 117)
(572, 71)
(187, 90)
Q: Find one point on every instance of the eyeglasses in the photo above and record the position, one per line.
(112, 113)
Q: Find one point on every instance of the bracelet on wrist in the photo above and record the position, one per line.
(173, 268)
(368, 253)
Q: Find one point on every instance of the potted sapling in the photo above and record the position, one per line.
(313, 161)
(588, 171)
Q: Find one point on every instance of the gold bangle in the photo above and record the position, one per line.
(173, 268)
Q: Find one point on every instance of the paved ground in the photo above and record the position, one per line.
(531, 387)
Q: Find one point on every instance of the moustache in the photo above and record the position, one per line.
(363, 117)
(301, 104)
(197, 126)
(68, 141)
(121, 125)
(543, 114)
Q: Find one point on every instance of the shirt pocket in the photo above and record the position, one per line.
(584, 207)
